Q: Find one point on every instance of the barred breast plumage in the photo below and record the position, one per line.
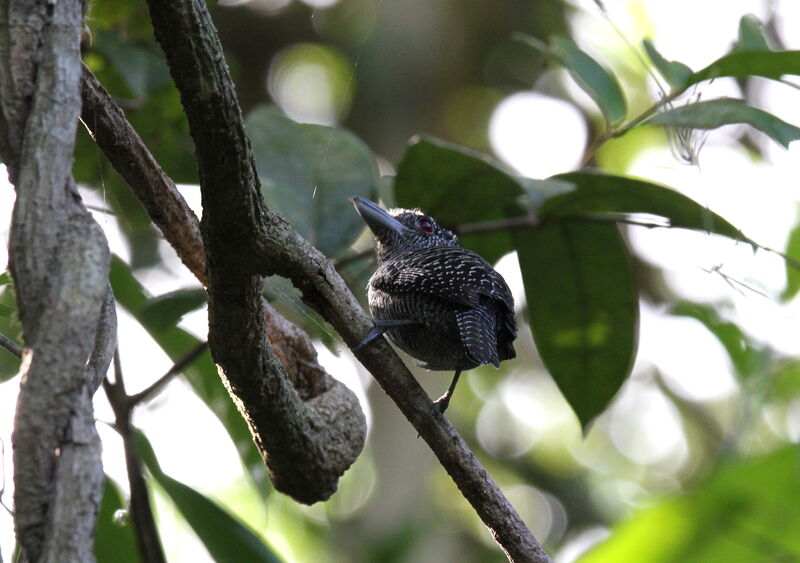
(440, 303)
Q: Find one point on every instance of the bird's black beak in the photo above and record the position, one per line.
(377, 219)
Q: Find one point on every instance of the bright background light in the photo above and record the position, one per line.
(538, 135)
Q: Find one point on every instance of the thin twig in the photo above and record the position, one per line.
(144, 525)
(623, 129)
(236, 215)
(339, 263)
(523, 222)
(10, 345)
(620, 219)
(167, 208)
(176, 368)
(101, 210)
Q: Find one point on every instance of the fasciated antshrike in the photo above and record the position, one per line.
(440, 303)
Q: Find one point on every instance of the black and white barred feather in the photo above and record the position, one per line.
(461, 309)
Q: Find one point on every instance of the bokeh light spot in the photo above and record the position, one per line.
(646, 428)
(311, 83)
(538, 135)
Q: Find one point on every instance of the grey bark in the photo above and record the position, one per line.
(244, 239)
(59, 260)
(309, 429)
(266, 243)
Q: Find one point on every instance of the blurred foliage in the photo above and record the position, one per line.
(747, 357)
(384, 72)
(114, 541)
(582, 309)
(598, 82)
(10, 326)
(227, 539)
(308, 173)
(742, 513)
(201, 374)
(792, 264)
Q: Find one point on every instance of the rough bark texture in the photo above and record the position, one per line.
(285, 252)
(307, 445)
(166, 207)
(257, 240)
(156, 191)
(59, 261)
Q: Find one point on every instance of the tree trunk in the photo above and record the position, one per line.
(59, 261)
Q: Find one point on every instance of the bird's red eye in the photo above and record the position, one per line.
(425, 225)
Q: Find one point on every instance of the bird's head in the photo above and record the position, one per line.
(402, 230)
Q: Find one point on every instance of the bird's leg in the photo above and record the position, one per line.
(443, 401)
(381, 326)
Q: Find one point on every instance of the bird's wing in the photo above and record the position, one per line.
(450, 273)
(486, 318)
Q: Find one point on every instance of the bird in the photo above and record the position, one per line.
(440, 303)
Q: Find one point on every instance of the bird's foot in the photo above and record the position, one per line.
(442, 403)
(381, 326)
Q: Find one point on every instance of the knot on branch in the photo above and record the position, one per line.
(337, 428)
(336, 423)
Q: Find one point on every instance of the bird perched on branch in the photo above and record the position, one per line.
(440, 303)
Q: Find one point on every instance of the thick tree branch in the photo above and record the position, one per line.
(286, 253)
(321, 393)
(236, 224)
(59, 260)
(156, 191)
(307, 444)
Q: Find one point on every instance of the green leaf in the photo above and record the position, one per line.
(114, 541)
(792, 269)
(10, 327)
(8, 303)
(742, 513)
(201, 374)
(742, 64)
(583, 308)
(226, 537)
(601, 85)
(167, 310)
(595, 80)
(309, 172)
(458, 186)
(747, 359)
(725, 111)
(595, 193)
(785, 381)
(751, 35)
(675, 73)
(142, 67)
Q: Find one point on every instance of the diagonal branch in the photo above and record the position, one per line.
(332, 429)
(156, 191)
(309, 443)
(159, 383)
(244, 240)
(11, 346)
(166, 207)
(286, 253)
